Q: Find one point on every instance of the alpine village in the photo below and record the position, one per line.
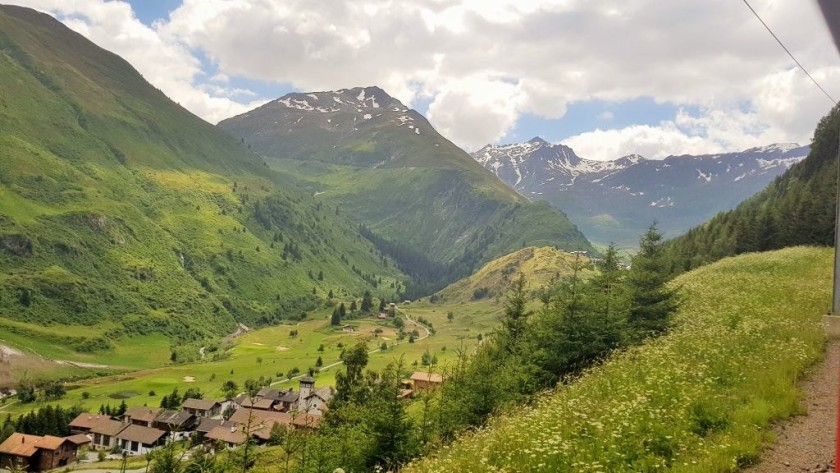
(201, 277)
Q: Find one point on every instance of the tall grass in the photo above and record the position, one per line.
(699, 399)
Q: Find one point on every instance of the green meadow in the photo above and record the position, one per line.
(699, 399)
(144, 366)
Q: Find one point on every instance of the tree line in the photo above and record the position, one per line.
(578, 323)
(798, 208)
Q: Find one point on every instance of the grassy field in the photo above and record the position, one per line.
(272, 352)
(139, 365)
(699, 399)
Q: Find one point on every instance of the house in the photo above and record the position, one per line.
(287, 401)
(36, 453)
(205, 425)
(139, 440)
(316, 402)
(230, 435)
(174, 421)
(84, 422)
(246, 402)
(424, 380)
(283, 400)
(141, 415)
(202, 407)
(105, 431)
(348, 328)
(80, 440)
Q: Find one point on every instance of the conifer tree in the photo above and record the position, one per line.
(651, 300)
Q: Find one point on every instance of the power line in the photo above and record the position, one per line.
(789, 53)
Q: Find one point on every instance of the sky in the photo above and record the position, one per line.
(607, 77)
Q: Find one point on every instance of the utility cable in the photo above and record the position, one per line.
(747, 3)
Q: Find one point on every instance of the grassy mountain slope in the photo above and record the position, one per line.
(422, 199)
(699, 399)
(121, 213)
(539, 265)
(798, 208)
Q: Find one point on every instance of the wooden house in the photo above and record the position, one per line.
(423, 380)
(202, 407)
(139, 440)
(36, 453)
(104, 432)
(142, 415)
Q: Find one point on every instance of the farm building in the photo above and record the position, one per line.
(424, 380)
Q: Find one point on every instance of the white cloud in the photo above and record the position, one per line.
(484, 63)
(490, 106)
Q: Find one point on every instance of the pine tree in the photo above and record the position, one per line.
(367, 302)
(336, 317)
(515, 315)
(651, 300)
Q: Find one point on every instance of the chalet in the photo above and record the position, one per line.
(104, 432)
(262, 419)
(35, 453)
(348, 328)
(174, 421)
(247, 402)
(141, 415)
(284, 400)
(139, 440)
(287, 401)
(424, 380)
(202, 407)
(205, 425)
(230, 436)
(80, 440)
(84, 422)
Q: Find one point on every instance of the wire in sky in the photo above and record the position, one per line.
(789, 53)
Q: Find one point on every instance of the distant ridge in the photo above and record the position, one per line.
(616, 200)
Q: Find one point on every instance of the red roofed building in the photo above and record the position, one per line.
(35, 453)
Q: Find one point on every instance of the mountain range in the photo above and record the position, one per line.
(615, 201)
(421, 199)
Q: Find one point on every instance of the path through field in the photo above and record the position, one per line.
(806, 443)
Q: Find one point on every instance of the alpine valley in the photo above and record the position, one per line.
(615, 201)
(419, 198)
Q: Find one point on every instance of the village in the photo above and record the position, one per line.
(214, 425)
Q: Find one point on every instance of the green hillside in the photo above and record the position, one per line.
(699, 399)
(798, 208)
(123, 214)
(540, 266)
(421, 199)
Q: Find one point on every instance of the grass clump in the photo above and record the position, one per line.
(699, 399)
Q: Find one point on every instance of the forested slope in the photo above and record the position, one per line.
(798, 208)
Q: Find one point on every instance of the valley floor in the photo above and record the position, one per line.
(806, 443)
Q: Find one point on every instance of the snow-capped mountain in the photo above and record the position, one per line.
(616, 200)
